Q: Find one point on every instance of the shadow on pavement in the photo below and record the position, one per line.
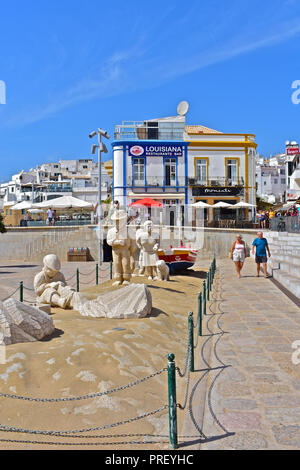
(20, 266)
(192, 273)
(155, 312)
(205, 440)
(56, 334)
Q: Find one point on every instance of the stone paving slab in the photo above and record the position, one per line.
(253, 402)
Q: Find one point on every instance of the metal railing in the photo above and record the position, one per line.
(285, 224)
(216, 181)
(156, 182)
(139, 130)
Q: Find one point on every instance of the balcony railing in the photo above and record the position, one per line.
(216, 181)
(133, 130)
(57, 189)
(156, 182)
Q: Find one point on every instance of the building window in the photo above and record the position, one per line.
(275, 181)
(138, 171)
(282, 180)
(201, 170)
(170, 171)
(231, 171)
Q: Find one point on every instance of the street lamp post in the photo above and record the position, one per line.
(101, 148)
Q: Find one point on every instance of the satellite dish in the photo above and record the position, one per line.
(294, 142)
(287, 142)
(182, 108)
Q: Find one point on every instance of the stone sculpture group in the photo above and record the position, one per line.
(51, 288)
(125, 243)
(20, 322)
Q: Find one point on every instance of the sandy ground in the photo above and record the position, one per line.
(88, 355)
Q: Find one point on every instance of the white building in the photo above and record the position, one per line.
(271, 182)
(49, 180)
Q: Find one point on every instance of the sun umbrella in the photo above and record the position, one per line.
(222, 204)
(201, 204)
(22, 205)
(242, 204)
(146, 202)
(65, 202)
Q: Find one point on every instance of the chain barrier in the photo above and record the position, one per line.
(182, 407)
(6, 298)
(196, 345)
(28, 288)
(105, 268)
(87, 274)
(69, 432)
(86, 283)
(83, 397)
(69, 279)
(182, 374)
(51, 443)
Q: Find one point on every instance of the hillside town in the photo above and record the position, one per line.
(173, 163)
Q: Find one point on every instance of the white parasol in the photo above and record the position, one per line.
(64, 202)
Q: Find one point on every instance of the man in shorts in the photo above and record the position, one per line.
(262, 248)
(49, 216)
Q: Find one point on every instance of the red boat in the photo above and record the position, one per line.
(178, 259)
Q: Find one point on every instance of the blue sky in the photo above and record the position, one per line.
(71, 66)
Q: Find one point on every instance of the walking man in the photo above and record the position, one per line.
(262, 248)
(49, 216)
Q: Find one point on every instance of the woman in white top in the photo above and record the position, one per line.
(238, 254)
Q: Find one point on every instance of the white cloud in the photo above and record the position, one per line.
(164, 49)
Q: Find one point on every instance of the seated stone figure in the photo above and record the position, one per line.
(50, 285)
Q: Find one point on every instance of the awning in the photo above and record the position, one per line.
(156, 195)
(64, 202)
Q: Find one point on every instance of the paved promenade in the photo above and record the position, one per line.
(251, 400)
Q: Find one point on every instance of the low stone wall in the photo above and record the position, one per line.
(32, 243)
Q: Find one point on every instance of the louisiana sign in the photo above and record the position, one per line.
(153, 150)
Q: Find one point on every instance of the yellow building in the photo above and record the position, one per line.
(221, 167)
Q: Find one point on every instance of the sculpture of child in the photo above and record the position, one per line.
(50, 285)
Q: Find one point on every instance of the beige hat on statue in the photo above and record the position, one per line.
(52, 262)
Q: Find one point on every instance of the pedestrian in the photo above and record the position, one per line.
(262, 247)
(238, 254)
(261, 218)
(267, 218)
(49, 216)
(53, 217)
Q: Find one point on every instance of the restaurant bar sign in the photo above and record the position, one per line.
(217, 191)
(153, 150)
